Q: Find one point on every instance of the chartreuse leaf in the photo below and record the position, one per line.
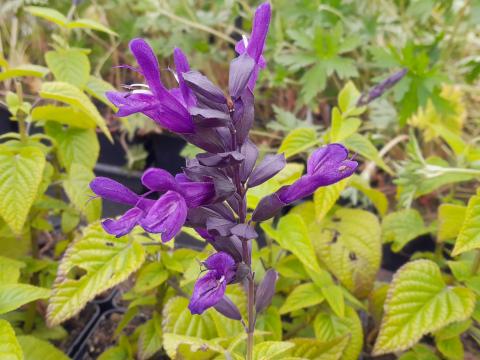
(9, 270)
(21, 172)
(76, 186)
(24, 70)
(270, 322)
(325, 197)
(74, 97)
(419, 302)
(12, 296)
(69, 65)
(34, 349)
(360, 144)
(150, 338)
(298, 140)
(469, 236)
(151, 276)
(106, 260)
(378, 198)
(451, 348)
(349, 244)
(401, 227)
(271, 350)
(450, 220)
(329, 327)
(419, 352)
(9, 347)
(90, 24)
(64, 115)
(48, 14)
(307, 348)
(184, 333)
(75, 146)
(334, 296)
(121, 351)
(302, 296)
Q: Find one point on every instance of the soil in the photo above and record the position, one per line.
(102, 336)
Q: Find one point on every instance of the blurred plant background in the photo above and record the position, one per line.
(417, 144)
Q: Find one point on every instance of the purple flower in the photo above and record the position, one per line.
(210, 288)
(254, 45)
(326, 166)
(168, 108)
(166, 215)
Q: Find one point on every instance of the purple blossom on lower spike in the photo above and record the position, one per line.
(210, 288)
(326, 166)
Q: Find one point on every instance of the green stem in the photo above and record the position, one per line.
(22, 128)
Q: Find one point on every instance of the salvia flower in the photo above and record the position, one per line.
(326, 166)
(168, 108)
(165, 215)
(210, 288)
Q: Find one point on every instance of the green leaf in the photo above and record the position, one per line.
(325, 197)
(150, 276)
(349, 244)
(75, 146)
(313, 81)
(77, 188)
(12, 296)
(20, 176)
(74, 97)
(122, 351)
(150, 338)
(10, 270)
(451, 348)
(48, 14)
(97, 88)
(104, 265)
(271, 350)
(195, 347)
(24, 70)
(297, 141)
(69, 65)
(450, 220)
(378, 198)
(90, 24)
(419, 352)
(360, 144)
(334, 296)
(35, 349)
(419, 302)
(402, 227)
(302, 296)
(271, 322)
(292, 235)
(307, 348)
(329, 327)
(469, 236)
(348, 97)
(65, 115)
(9, 347)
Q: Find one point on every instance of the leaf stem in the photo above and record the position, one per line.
(476, 263)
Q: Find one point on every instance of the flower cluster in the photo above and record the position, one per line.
(210, 194)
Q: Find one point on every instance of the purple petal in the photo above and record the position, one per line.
(231, 245)
(195, 193)
(261, 22)
(268, 207)
(326, 157)
(148, 63)
(124, 224)
(182, 66)
(221, 262)
(241, 69)
(159, 180)
(244, 231)
(111, 190)
(166, 216)
(208, 291)
(244, 115)
(228, 309)
(209, 117)
(268, 168)
(128, 103)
